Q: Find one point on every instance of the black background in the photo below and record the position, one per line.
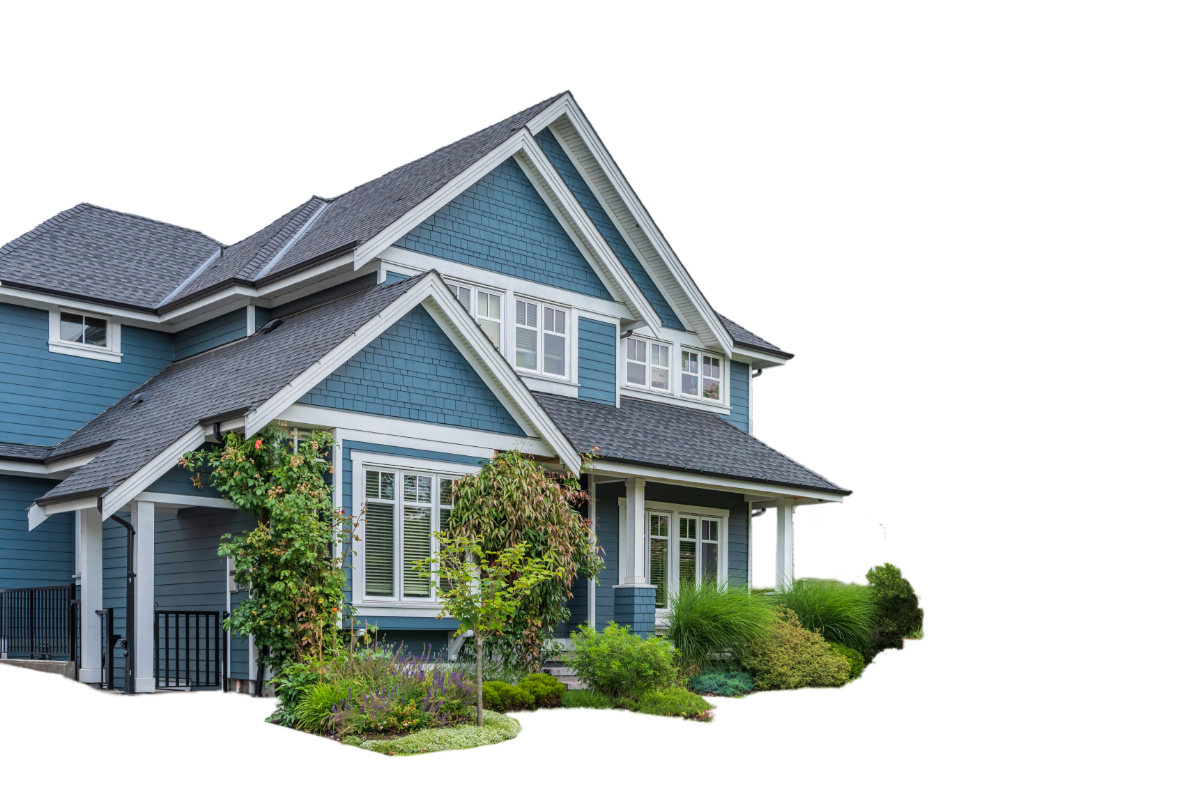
(803, 213)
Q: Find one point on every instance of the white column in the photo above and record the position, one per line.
(634, 532)
(143, 617)
(91, 593)
(786, 541)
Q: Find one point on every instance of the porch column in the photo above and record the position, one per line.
(142, 516)
(786, 541)
(91, 593)
(634, 533)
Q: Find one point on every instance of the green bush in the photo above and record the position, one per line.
(844, 613)
(855, 659)
(546, 690)
(496, 728)
(791, 657)
(898, 611)
(620, 664)
(315, 704)
(673, 702)
(500, 696)
(586, 698)
(712, 620)
(722, 682)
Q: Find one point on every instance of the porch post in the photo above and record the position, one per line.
(634, 533)
(91, 593)
(786, 541)
(142, 515)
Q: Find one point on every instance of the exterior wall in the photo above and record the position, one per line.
(44, 556)
(596, 361)
(261, 316)
(502, 224)
(188, 574)
(739, 395)
(634, 608)
(114, 562)
(594, 209)
(45, 397)
(213, 333)
(607, 531)
(178, 481)
(413, 371)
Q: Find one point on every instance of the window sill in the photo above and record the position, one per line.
(649, 394)
(83, 351)
(540, 376)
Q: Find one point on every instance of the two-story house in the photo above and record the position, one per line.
(506, 291)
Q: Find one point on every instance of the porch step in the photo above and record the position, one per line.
(564, 674)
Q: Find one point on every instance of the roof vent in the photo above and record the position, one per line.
(270, 326)
(141, 397)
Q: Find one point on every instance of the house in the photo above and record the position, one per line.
(506, 291)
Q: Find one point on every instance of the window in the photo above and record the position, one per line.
(656, 368)
(463, 295)
(707, 381)
(83, 334)
(490, 316)
(683, 550)
(541, 338)
(83, 329)
(400, 509)
(659, 556)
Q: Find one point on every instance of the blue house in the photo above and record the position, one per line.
(506, 291)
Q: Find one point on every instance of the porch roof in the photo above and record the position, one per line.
(676, 438)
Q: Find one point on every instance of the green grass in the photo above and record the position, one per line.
(496, 728)
(710, 620)
(841, 612)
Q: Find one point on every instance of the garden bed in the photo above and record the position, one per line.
(496, 728)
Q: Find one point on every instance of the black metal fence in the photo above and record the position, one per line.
(189, 650)
(40, 623)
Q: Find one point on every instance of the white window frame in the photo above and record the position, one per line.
(111, 352)
(676, 512)
(720, 399)
(568, 355)
(434, 469)
(472, 307)
(672, 365)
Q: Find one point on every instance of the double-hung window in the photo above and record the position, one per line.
(541, 339)
(647, 363)
(684, 550)
(701, 375)
(403, 509)
(486, 307)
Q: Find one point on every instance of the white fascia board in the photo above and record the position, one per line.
(23, 468)
(542, 120)
(427, 207)
(354, 426)
(656, 238)
(454, 320)
(121, 495)
(757, 359)
(31, 299)
(709, 482)
(609, 267)
(39, 514)
(409, 262)
(168, 500)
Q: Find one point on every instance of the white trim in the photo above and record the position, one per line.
(39, 514)
(663, 397)
(250, 318)
(360, 427)
(141, 515)
(548, 384)
(676, 510)
(295, 237)
(168, 500)
(784, 556)
(110, 352)
(118, 496)
(657, 475)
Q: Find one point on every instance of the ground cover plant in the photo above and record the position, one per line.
(673, 702)
(792, 657)
(620, 664)
(713, 621)
(496, 728)
(845, 613)
(718, 680)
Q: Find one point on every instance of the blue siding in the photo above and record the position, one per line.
(739, 395)
(45, 397)
(44, 556)
(502, 224)
(590, 204)
(213, 333)
(607, 531)
(114, 587)
(413, 371)
(261, 316)
(634, 608)
(188, 574)
(596, 361)
(178, 481)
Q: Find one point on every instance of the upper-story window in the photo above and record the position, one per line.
(82, 333)
(541, 338)
(647, 364)
(486, 307)
(701, 375)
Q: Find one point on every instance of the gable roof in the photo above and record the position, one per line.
(676, 438)
(743, 337)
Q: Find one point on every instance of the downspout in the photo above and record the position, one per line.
(130, 604)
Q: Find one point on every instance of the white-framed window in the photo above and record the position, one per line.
(647, 363)
(683, 544)
(702, 375)
(486, 306)
(542, 339)
(659, 556)
(85, 334)
(403, 508)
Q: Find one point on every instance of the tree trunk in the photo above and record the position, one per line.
(478, 676)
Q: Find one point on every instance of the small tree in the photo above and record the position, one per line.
(482, 590)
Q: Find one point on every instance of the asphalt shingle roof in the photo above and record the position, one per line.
(743, 337)
(239, 375)
(676, 438)
(96, 253)
(24, 452)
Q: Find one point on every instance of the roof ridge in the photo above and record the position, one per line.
(41, 228)
(283, 237)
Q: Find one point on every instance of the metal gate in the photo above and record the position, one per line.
(189, 650)
(40, 622)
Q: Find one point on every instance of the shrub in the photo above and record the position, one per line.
(844, 613)
(500, 696)
(898, 612)
(855, 659)
(496, 728)
(586, 698)
(315, 704)
(712, 620)
(791, 657)
(674, 702)
(722, 682)
(546, 690)
(620, 664)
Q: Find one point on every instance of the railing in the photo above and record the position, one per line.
(189, 650)
(39, 623)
